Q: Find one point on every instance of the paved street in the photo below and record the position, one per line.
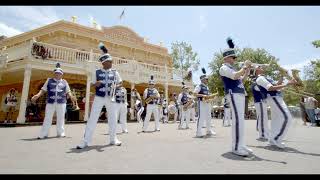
(167, 151)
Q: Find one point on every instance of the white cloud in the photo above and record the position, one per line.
(203, 22)
(298, 66)
(8, 31)
(30, 17)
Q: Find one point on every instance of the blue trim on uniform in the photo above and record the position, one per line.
(285, 119)
(237, 121)
(261, 119)
(198, 114)
(257, 123)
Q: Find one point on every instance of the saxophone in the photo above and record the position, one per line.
(150, 98)
(188, 104)
(113, 91)
(75, 106)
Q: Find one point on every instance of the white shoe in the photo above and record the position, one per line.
(116, 142)
(199, 136)
(40, 137)
(125, 131)
(61, 136)
(240, 152)
(209, 133)
(82, 145)
(280, 145)
(247, 149)
(262, 139)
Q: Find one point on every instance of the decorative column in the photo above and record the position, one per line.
(87, 103)
(132, 103)
(166, 84)
(24, 95)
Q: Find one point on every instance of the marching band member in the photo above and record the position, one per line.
(121, 106)
(260, 105)
(165, 111)
(151, 95)
(280, 114)
(227, 113)
(159, 103)
(138, 104)
(201, 91)
(192, 109)
(58, 89)
(140, 109)
(185, 100)
(104, 80)
(176, 114)
(11, 103)
(235, 93)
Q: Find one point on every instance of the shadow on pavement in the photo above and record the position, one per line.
(116, 133)
(89, 148)
(140, 132)
(207, 137)
(251, 157)
(53, 137)
(286, 149)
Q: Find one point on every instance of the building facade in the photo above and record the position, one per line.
(28, 59)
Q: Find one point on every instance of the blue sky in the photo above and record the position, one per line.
(285, 32)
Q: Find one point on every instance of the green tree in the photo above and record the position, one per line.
(184, 57)
(312, 78)
(316, 43)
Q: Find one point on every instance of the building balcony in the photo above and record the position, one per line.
(43, 56)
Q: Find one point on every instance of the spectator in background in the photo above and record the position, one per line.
(303, 111)
(310, 105)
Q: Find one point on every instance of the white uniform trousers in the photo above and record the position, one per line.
(151, 109)
(193, 114)
(204, 110)
(139, 114)
(175, 117)
(165, 117)
(237, 107)
(97, 105)
(280, 118)
(160, 112)
(262, 119)
(227, 117)
(122, 115)
(185, 117)
(60, 110)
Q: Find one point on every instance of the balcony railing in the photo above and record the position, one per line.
(129, 70)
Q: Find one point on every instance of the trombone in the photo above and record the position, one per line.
(297, 88)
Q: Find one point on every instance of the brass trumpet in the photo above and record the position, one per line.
(252, 65)
(210, 97)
